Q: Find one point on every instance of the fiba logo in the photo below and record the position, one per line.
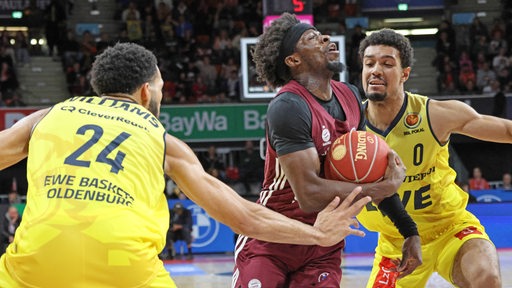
(205, 228)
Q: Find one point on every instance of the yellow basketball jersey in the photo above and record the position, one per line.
(429, 193)
(96, 213)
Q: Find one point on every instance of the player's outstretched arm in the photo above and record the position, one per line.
(453, 116)
(251, 219)
(14, 140)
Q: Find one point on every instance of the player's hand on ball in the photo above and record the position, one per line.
(336, 221)
(395, 172)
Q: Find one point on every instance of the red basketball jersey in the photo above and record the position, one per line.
(277, 193)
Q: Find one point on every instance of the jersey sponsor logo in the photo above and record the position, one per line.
(205, 229)
(254, 283)
(467, 231)
(105, 116)
(120, 104)
(64, 186)
(323, 276)
(421, 199)
(386, 277)
(419, 176)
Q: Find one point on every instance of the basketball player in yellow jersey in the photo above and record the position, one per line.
(96, 215)
(454, 243)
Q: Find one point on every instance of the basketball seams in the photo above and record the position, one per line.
(342, 165)
(374, 157)
(354, 170)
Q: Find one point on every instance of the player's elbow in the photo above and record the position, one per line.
(307, 197)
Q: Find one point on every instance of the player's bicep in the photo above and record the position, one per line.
(14, 140)
(301, 169)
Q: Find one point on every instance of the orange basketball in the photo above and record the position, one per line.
(357, 156)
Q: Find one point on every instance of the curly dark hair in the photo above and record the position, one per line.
(266, 51)
(389, 37)
(122, 68)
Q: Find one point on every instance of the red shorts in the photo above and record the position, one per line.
(262, 264)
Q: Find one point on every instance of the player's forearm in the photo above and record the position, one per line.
(271, 226)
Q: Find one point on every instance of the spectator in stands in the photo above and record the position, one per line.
(444, 46)
(10, 223)
(477, 29)
(497, 42)
(21, 46)
(199, 90)
(184, 29)
(479, 50)
(448, 79)
(466, 74)
(181, 10)
(76, 79)
(233, 86)
(212, 161)
(88, 50)
(71, 50)
(446, 27)
(501, 61)
(181, 228)
(470, 88)
(484, 76)
(465, 59)
(104, 42)
(504, 77)
(13, 197)
(208, 72)
(55, 16)
(131, 12)
(8, 80)
(250, 166)
(478, 182)
(163, 10)
(506, 183)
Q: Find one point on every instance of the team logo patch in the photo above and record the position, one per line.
(254, 283)
(326, 135)
(323, 276)
(467, 231)
(412, 120)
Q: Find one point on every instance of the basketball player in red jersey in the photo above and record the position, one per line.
(309, 112)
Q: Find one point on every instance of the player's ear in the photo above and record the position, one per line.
(292, 60)
(145, 96)
(405, 73)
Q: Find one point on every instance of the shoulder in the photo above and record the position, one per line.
(287, 104)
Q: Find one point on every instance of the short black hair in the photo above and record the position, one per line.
(266, 51)
(391, 38)
(122, 68)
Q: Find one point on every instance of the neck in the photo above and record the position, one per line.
(320, 87)
(116, 96)
(381, 113)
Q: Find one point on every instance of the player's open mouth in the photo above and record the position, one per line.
(376, 82)
(332, 47)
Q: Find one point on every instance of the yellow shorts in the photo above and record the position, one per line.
(162, 280)
(438, 255)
